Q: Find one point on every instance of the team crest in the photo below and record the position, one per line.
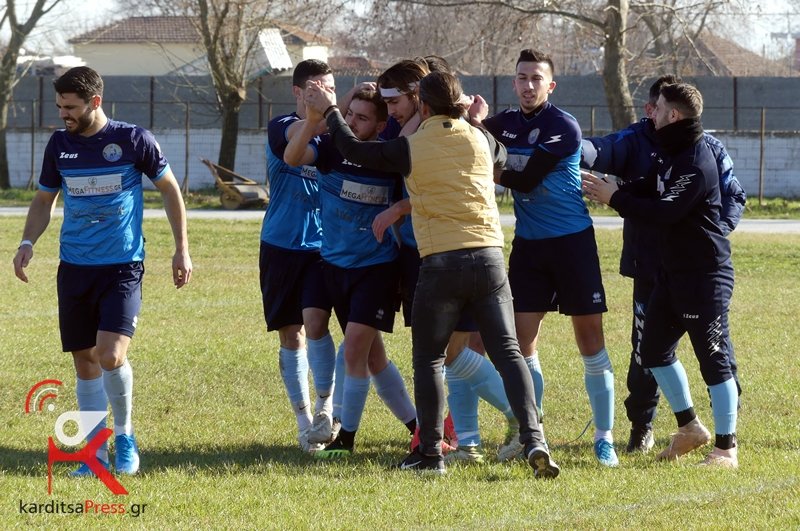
(112, 152)
(533, 135)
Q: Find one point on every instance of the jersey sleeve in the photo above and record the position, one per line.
(150, 160)
(50, 177)
(732, 195)
(608, 154)
(562, 138)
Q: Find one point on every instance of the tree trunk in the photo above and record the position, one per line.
(7, 74)
(231, 104)
(615, 75)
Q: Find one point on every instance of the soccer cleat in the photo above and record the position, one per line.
(84, 471)
(721, 459)
(605, 453)
(126, 458)
(321, 431)
(305, 444)
(687, 438)
(335, 450)
(466, 454)
(539, 459)
(641, 440)
(511, 447)
(430, 464)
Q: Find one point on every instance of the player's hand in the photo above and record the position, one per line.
(21, 261)
(596, 188)
(319, 97)
(181, 269)
(382, 222)
(479, 110)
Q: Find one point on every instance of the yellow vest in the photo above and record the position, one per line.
(451, 187)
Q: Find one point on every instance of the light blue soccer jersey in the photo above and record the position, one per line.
(100, 178)
(351, 198)
(555, 207)
(292, 220)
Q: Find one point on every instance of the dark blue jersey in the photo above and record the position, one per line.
(555, 207)
(292, 220)
(628, 155)
(101, 180)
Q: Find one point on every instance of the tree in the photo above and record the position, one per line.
(230, 31)
(602, 25)
(8, 68)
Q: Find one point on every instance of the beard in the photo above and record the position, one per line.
(80, 124)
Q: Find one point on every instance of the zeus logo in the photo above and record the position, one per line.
(63, 155)
(678, 187)
(553, 139)
(506, 134)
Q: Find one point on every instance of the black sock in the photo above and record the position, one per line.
(347, 438)
(725, 442)
(685, 417)
(412, 425)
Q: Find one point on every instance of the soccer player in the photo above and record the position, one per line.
(554, 263)
(361, 274)
(448, 166)
(289, 262)
(627, 154)
(695, 282)
(98, 164)
(469, 375)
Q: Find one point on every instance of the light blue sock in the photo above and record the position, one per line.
(118, 384)
(354, 399)
(538, 379)
(338, 386)
(322, 360)
(92, 397)
(392, 390)
(724, 402)
(463, 404)
(483, 378)
(675, 385)
(599, 379)
(294, 371)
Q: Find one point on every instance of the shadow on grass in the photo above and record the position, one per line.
(214, 458)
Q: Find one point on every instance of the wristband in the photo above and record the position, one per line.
(328, 110)
(23, 243)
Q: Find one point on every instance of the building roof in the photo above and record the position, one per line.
(726, 58)
(175, 29)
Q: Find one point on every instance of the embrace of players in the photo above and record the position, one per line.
(386, 198)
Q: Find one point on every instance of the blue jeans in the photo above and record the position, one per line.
(449, 282)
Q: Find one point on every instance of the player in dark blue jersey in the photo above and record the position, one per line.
(695, 281)
(361, 274)
(289, 263)
(627, 154)
(98, 165)
(554, 263)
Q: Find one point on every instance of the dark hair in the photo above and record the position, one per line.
(529, 55)
(441, 92)
(81, 80)
(307, 69)
(437, 63)
(685, 97)
(655, 88)
(374, 97)
(402, 74)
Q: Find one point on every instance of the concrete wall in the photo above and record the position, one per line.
(781, 157)
(151, 59)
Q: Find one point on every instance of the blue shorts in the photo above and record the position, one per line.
(364, 295)
(283, 276)
(560, 273)
(410, 263)
(94, 298)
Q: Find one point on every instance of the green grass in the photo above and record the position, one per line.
(218, 438)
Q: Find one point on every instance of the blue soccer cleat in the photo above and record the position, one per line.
(127, 454)
(605, 453)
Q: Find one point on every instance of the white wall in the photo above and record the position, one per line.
(137, 59)
(782, 158)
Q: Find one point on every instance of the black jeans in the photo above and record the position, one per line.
(448, 283)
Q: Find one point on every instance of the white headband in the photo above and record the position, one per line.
(393, 92)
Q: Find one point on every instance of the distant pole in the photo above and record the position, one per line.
(761, 162)
(185, 184)
(591, 121)
(33, 145)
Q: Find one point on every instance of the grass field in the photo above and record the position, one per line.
(218, 438)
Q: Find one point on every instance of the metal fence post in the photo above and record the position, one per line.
(185, 184)
(761, 158)
(33, 145)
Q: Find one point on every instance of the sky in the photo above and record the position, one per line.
(73, 17)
